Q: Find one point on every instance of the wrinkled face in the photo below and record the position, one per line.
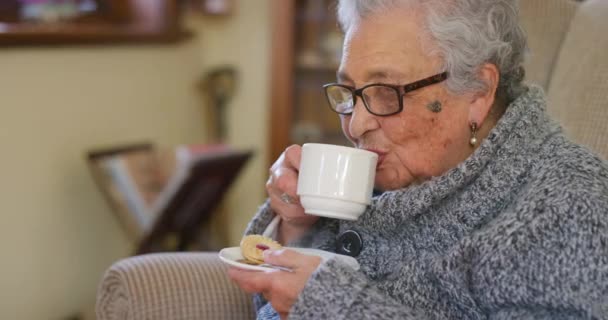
(417, 143)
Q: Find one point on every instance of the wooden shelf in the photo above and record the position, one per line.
(151, 21)
(85, 34)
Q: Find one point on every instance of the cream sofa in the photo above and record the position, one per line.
(569, 43)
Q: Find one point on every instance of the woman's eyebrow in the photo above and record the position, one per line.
(384, 75)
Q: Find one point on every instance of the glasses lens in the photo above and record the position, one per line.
(340, 99)
(381, 99)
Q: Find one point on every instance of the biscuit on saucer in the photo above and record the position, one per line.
(253, 246)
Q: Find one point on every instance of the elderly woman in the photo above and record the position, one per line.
(487, 209)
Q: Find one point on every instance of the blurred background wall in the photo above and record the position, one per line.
(57, 234)
(243, 41)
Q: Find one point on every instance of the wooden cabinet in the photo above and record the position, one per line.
(307, 46)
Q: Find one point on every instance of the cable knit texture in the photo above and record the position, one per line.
(519, 230)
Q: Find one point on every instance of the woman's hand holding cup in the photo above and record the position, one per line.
(284, 201)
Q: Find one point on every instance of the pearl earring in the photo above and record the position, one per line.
(473, 140)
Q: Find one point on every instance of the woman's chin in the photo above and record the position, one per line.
(387, 184)
(387, 180)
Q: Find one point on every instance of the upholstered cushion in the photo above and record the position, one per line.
(546, 23)
(578, 93)
(171, 286)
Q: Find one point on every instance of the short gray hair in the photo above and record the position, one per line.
(467, 34)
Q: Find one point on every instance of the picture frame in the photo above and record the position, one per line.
(109, 21)
(122, 176)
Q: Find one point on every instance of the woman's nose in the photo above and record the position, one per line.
(361, 121)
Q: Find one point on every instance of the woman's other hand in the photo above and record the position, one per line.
(280, 288)
(281, 187)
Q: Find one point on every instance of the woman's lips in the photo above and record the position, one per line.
(381, 156)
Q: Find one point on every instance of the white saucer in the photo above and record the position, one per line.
(232, 256)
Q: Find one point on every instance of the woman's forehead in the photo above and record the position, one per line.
(384, 57)
(389, 44)
(389, 30)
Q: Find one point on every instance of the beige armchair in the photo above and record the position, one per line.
(171, 286)
(569, 59)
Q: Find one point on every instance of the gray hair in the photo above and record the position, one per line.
(466, 34)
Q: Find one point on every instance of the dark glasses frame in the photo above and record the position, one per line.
(397, 88)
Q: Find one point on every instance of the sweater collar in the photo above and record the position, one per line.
(517, 135)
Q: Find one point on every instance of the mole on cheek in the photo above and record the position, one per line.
(435, 106)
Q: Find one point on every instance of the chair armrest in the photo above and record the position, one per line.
(171, 286)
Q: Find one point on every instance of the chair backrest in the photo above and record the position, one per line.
(546, 24)
(578, 87)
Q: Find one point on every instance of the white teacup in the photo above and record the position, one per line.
(336, 181)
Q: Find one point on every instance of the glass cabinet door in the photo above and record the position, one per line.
(306, 52)
(317, 51)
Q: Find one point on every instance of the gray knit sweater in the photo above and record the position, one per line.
(519, 230)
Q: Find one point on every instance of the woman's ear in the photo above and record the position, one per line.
(483, 101)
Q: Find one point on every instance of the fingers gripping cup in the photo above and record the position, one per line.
(336, 181)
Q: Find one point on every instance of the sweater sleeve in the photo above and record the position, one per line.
(336, 291)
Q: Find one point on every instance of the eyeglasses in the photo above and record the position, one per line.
(379, 99)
